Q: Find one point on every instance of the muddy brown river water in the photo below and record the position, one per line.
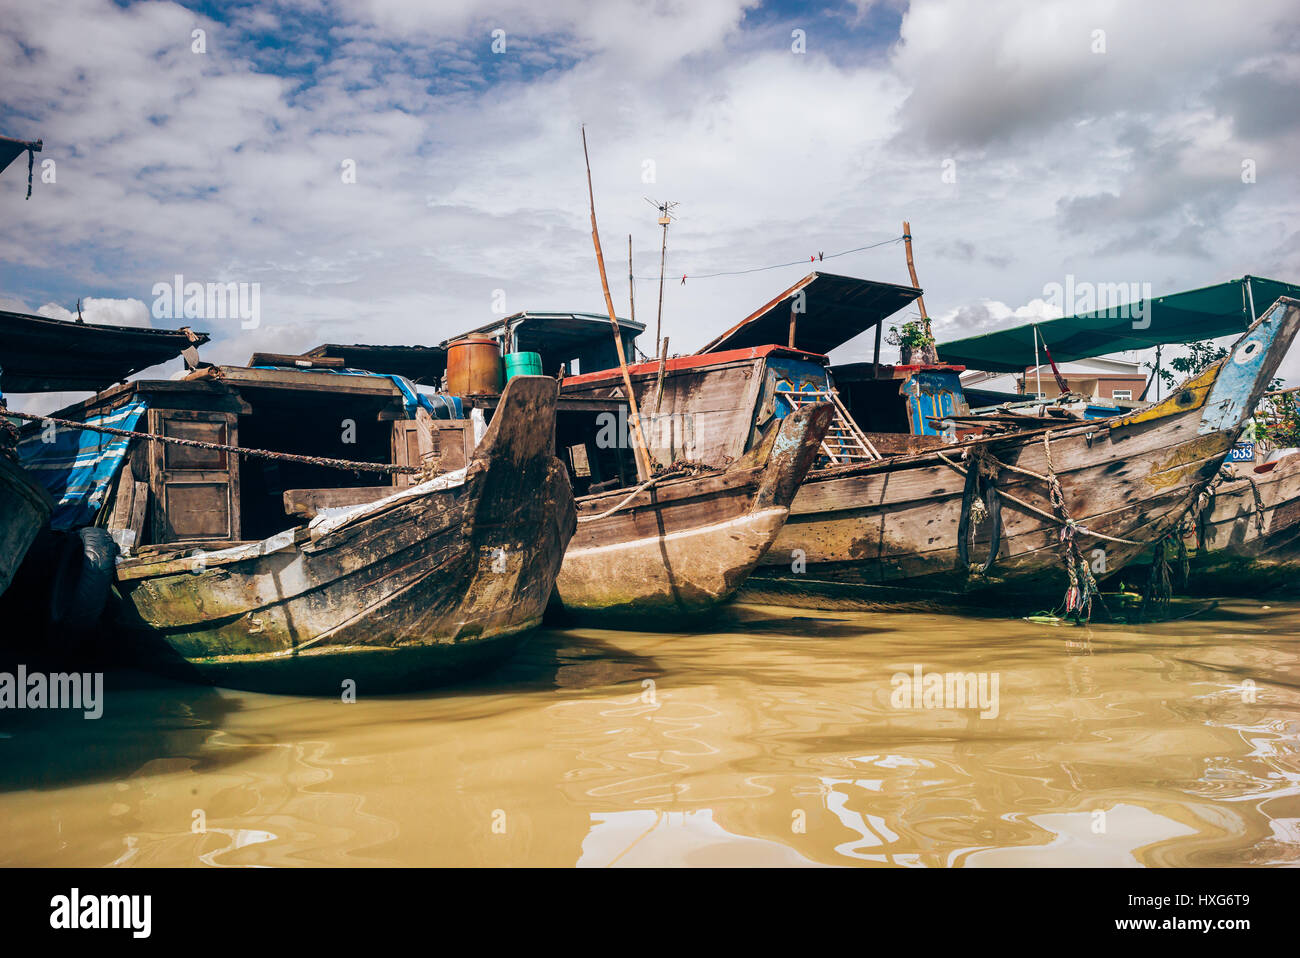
(777, 737)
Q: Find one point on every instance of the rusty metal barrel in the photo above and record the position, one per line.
(473, 366)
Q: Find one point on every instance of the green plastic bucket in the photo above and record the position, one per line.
(523, 364)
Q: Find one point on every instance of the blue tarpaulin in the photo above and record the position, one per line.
(446, 407)
(77, 466)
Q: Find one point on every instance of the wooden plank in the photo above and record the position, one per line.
(591, 404)
(308, 503)
(123, 497)
(133, 533)
(309, 380)
(297, 362)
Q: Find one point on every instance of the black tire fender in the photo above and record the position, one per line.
(82, 577)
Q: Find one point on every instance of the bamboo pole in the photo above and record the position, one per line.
(929, 354)
(639, 449)
(663, 369)
(911, 269)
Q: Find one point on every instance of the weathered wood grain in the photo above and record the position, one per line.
(407, 591)
(1234, 524)
(1131, 478)
(685, 546)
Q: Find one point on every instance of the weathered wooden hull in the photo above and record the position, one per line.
(403, 592)
(685, 546)
(24, 508)
(1130, 478)
(1235, 524)
(1235, 547)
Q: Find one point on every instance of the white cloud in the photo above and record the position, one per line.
(469, 169)
(110, 312)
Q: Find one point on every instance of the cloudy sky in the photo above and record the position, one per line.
(1024, 141)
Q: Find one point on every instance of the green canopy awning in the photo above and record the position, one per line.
(1176, 318)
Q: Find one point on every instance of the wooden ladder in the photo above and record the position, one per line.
(845, 443)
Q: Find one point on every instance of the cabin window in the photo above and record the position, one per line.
(598, 450)
(334, 425)
(875, 405)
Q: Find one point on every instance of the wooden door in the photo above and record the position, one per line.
(195, 491)
(445, 445)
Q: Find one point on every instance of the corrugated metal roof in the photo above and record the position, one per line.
(834, 310)
(40, 354)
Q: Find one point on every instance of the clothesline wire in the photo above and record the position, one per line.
(797, 262)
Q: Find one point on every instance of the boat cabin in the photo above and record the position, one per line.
(159, 496)
(710, 407)
(567, 342)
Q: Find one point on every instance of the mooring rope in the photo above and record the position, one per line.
(1032, 508)
(1259, 504)
(344, 464)
(1083, 586)
(633, 494)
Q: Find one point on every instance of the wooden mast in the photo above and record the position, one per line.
(930, 354)
(639, 448)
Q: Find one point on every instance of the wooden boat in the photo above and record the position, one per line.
(387, 587)
(1242, 524)
(42, 355)
(677, 544)
(25, 507)
(1253, 512)
(1125, 483)
(894, 505)
(1242, 536)
(685, 545)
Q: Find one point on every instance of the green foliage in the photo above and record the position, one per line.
(912, 335)
(1278, 422)
(1202, 355)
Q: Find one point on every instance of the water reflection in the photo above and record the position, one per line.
(769, 738)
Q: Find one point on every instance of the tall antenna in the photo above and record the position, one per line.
(666, 216)
(631, 282)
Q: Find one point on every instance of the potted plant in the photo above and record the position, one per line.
(914, 341)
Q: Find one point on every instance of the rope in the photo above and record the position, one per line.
(1083, 587)
(1259, 505)
(632, 495)
(974, 510)
(1203, 508)
(1002, 493)
(345, 464)
(8, 433)
(798, 262)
